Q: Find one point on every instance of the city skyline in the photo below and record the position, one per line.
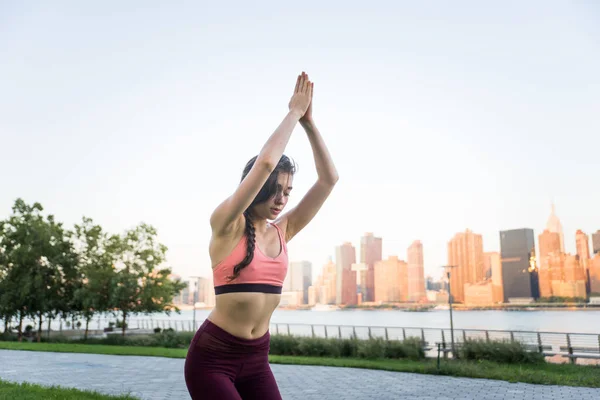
(526, 268)
(438, 119)
(553, 222)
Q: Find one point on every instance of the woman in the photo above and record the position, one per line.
(228, 357)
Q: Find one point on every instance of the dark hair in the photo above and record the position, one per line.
(268, 190)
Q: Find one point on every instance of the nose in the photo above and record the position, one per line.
(279, 199)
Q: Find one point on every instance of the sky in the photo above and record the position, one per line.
(439, 116)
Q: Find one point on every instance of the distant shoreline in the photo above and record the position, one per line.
(427, 308)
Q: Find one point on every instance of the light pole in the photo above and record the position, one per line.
(448, 269)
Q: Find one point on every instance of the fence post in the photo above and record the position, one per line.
(370, 337)
(354, 331)
(487, 336)
(288, 329)
(277, 328)
(387, 338)
(512, 336)
(403, 333)
(423, 336)
(540, 347)
(464, 336)
(340, 331)
(571, 358)
(312, 328)
(444, 345)
(325, 329)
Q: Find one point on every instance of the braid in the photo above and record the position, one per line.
(250, 233)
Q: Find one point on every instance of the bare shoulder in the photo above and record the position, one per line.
(282, 224)
(222, 243)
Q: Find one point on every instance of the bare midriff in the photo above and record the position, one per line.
(245, 315)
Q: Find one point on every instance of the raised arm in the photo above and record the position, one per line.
(229, 212)
(298, 217)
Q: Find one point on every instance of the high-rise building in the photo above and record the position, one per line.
(596, 242)
(370, 253)
(582, 242)
(361, 270)
(345, 256)
(416, 272)
(465, 254)
(495, 267)
(594, 275)
(519, 267)
(549, 267)
(298, 279)
(391, 280)
(326, 285)
(555, 226)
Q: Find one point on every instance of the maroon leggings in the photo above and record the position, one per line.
(221, 366)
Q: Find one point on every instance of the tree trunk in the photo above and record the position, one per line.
(6, 322)
(48, 331)
(87, 325)
(39, 332)
(20, 330)
(72, 321)
(124, 318)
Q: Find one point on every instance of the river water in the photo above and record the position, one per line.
(575, 321)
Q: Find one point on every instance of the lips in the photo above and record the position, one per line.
(275, 210)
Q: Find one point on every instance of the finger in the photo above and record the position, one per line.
(306, 84)
(297, 84)
(312, 90)
(302, 82)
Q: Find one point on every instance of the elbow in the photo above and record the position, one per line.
(331, 180)
(266, 164)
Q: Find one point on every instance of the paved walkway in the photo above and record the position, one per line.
(151, 378)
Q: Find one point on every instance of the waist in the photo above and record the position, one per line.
(233, 341)
(246, 315)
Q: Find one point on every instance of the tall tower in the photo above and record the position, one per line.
(596, 242)
(370, 253)
(583, 247)
(416, 272)
(549, 265)
(345, 256)
(554, 225)
(465, 252)
(519, 267)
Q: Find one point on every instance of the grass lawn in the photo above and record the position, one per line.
(27, 391)
(550, 374)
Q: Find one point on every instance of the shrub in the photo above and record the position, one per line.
(285, 345)
(410, 348)
(371, 349)
(502, 351)
(288, 345)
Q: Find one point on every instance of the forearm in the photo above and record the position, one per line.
(326, 170)
(273, 149)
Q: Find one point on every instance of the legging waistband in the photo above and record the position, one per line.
(213, 329)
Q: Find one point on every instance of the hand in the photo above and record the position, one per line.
(301, 99)
(307, 117)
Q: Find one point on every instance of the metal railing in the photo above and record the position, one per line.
(570, 345)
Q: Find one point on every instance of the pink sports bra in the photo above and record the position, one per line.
(263, 275)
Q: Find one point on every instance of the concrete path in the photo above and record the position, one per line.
(152, 378)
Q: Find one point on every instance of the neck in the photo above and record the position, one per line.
(260, 225)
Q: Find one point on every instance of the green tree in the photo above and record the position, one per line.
(37, 263)
(141, 283)
(96, 273)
